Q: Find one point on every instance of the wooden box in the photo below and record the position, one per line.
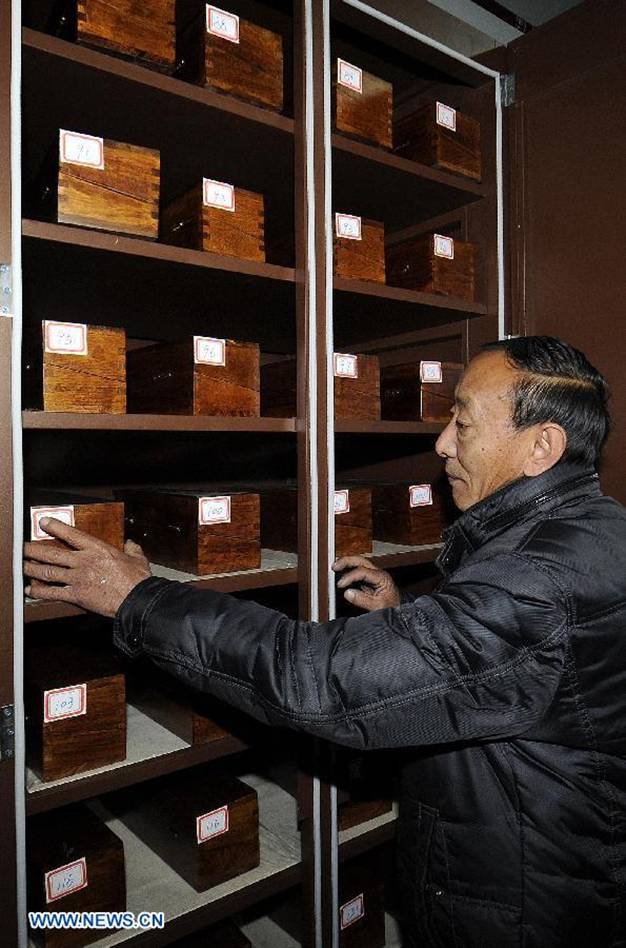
(359, 249)
(205, 826)
(75, 368)
(410, 514)
(75, 710)
(143, 32)
(196, 531)
(433, 263)
(421, 391)
(362, 104)
(353, 520)
(103, 519)
(362, 903)
(438, 135)
(176, 708)
(219, 218)
(364, 790)
(357, 387)
(74, 864)
(200, 376)
(218, 49)
(106, 185)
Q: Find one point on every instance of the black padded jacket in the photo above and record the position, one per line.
(506, 687)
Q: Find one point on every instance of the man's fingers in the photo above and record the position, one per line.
(362, 599)
(360, 575)
(70, 535)
(38, 590)
(348, 562)
(133, 549)
(46, 572)
(49, 553)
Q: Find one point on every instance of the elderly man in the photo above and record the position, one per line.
(507, 683)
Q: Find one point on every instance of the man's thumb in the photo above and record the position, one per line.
(133, 549)
(361, 599)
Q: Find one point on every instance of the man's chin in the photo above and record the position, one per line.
(459, 493)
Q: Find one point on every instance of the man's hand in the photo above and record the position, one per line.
(90, 573)
(378, 588)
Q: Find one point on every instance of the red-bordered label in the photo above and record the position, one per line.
(66, 879)
(208, 351)
(349, 76)
(64, 514)
(431, 372)
(352, 911)
(348, 226)
(221, 23)
(446, 116)
(66, 702)
(213, 510)
(342, 501)
(443, 246)
(65, 338)
(345, 365)
(78, 149)
(218, 194)
(420, 495)
(212, 824)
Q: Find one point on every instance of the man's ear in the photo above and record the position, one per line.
(548, 446)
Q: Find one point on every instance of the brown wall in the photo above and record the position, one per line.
(568, 154)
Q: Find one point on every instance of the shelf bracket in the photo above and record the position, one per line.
(7, 732)
(6, 289)
(507, 89)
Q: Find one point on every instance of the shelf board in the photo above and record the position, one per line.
(74, 54)
(38, 420)
(359, 839)
(151, 751)
(277, 569)
(361, 426)
(152, 884)
(137, 246)
(365, 311)
(388, 555)
(378, 184)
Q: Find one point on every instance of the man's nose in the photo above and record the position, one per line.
(446, 442)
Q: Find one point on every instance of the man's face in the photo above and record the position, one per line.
(482, 449)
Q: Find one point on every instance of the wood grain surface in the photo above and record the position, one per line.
(359, 397)
(365, 115)
(144, 32)
(164, 379)
(405, 398)
(361, 259)
(417, 136)
(413, 265)
(395, 521)
(122, 197)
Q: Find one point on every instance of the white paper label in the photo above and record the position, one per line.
(346, 366)
(64, 514)
(352, 911)
(68, 338)
(443, 246)
(218, 194)
(348, 226)
(221, 23)
(446, 116)
(431, 372)
(342, 501)
(212, 824)
(213, 510)
(61, 703)
(207, 351)
(66, 879)
(79, 149)
(420, 495)
(349, 75)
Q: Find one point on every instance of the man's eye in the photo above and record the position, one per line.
(461, 425)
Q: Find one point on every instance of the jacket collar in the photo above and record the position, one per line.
(520, 501)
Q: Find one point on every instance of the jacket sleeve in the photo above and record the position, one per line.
(479, 659)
